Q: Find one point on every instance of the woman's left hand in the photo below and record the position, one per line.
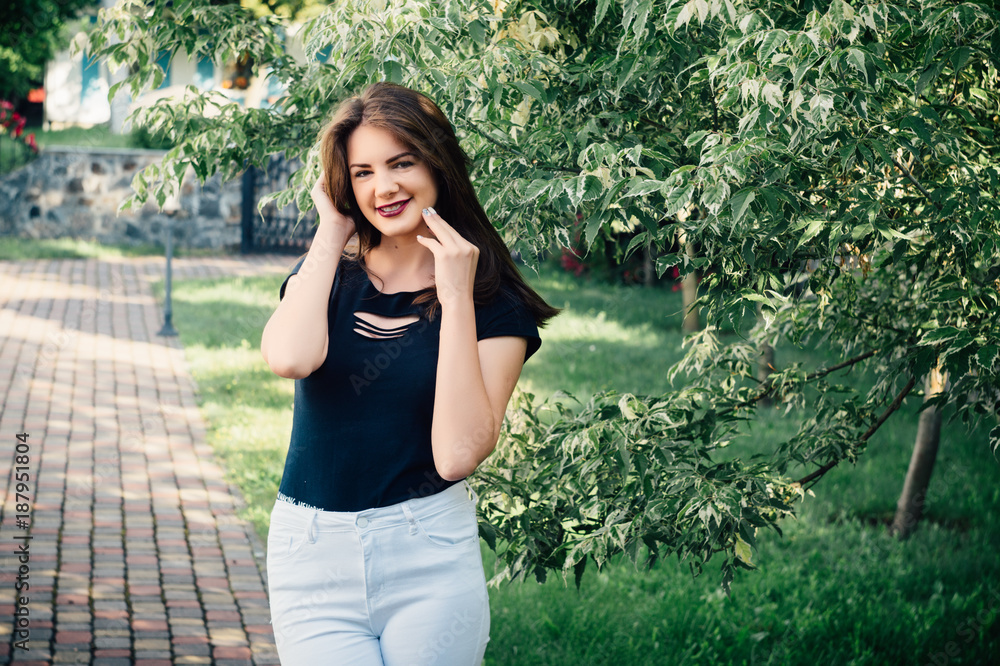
(455, 260)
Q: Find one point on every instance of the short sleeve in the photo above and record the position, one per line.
(508, 315)
(281, 291)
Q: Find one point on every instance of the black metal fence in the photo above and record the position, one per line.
(273, 229)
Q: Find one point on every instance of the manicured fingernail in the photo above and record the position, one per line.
(426, 212)
(432, 211)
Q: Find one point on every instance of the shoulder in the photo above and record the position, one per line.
(349, 273)
(507, 314)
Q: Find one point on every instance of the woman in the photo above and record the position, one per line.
(405, 354)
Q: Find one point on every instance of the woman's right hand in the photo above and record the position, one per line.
(327, 212)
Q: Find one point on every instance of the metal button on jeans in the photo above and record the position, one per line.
(362, 522)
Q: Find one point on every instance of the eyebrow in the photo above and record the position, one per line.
(391, 159)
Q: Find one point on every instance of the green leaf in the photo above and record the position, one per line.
(639, 239)
(578, 570)
(883, 153)
(695, 138)
(987, 356)
(626, 408)
(478, 31)
(393, 71)
(856, 58)
(591, 187)
(489, 534)
(665, 262)
(812, 229)
(741, 202)
(928, 76)
(960, 56)
(678, 198)
(642, 186)
(602, 9)
(942, 334)
(771, 42)
(535, 188)
(594, 224)
(919, 127)
(529, 89)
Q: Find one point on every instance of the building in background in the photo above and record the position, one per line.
(76, 86)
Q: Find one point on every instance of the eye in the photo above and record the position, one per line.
(404, 163)
(357, 174)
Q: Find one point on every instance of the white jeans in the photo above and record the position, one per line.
(393, 586)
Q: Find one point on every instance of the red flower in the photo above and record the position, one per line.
(30, 140)
(19, 122)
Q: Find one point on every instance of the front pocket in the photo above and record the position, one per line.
(452, 528)
(284, 541)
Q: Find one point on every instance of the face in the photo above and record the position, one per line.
(385, 172)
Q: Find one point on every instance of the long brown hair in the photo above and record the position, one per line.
(419, 124)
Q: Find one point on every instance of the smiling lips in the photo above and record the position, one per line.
(393, 209)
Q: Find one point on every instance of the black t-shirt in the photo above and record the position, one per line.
(361, 425)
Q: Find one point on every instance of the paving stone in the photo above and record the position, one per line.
(137, 554)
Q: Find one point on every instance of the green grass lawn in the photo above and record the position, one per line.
(835, 589)
(99, 136)
(12, 249)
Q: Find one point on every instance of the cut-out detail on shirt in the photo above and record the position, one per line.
(381, 327)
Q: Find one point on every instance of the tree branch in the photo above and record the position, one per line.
(833, 368)
(835, 188)
(509, 149)
(916, 182)
(768, 386)
(878, 325)
(897, 401)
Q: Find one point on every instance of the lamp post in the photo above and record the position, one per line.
(170, 207)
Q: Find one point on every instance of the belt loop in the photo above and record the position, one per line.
(409, 517)
(310, 531)
(472, 493)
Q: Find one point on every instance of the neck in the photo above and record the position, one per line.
(401, 261)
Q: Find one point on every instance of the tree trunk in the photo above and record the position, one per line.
(689, 287)
(910, 507)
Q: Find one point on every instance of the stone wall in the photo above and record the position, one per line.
(75, 192)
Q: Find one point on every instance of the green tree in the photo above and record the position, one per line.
(32, 33)
(831, 167)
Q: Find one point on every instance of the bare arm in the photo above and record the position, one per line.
(296, 338)
(474, 383)
(475, 379)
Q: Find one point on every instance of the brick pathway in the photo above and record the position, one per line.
(136, 555)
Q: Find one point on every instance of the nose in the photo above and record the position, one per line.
(385, 185)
